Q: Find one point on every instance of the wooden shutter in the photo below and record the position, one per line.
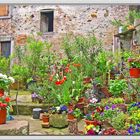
(4, 10)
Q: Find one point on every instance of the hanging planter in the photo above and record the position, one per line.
(3, 113)
(134, 72)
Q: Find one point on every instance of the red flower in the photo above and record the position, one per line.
(1, 94)
(90, 132)
(62, 81)
(65, 78)
(58, 82)
(7, 99)
(66, 69)
(3, 105)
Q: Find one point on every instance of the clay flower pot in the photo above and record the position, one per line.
(71, 117)
(45, 118)
(93, 122)
(3, 113)
(134, 72)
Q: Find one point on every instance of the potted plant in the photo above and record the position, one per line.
(45, 117)
(90, 119)
(77, 113)
(134, 70)
(117, 87)
(4, 103)
(110, 131)
(70, 115)
(5, 82)
(92, 129)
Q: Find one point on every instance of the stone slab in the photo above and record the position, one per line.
(14, 128)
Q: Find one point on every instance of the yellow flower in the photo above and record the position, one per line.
(89, 127)
(130, 27)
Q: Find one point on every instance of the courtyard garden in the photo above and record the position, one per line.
(83, 90)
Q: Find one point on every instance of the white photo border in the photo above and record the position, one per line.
(72, 2)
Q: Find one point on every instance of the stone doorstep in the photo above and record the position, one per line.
(15, 127)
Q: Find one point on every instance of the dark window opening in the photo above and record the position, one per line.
(6, 48)
(47, 21)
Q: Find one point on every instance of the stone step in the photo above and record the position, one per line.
(14, 128)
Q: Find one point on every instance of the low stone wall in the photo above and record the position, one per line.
(27, 109)
(14, 128)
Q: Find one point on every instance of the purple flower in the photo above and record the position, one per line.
(63, 108)
(107, 108)
(138, 125)
(130, 130)
(102, 114)
(137, 130)
(34, 95)
(114, 106)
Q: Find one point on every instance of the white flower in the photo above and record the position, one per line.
(4, 76)
(73, 82)
(93, 100)
(58, 108)
(12, 79)
(1, 75)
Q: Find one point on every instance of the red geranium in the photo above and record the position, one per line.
(66, 69)
(7, 99)
(1, 94)
(65, 78)
(3, 105)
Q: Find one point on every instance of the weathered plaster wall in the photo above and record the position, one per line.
(77, 19)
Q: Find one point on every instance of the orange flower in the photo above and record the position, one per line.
(7, 99)
(77, 65)
(51, 78)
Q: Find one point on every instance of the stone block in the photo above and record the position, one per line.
(14, 128)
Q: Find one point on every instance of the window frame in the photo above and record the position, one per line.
(45, 11)
(9, 15)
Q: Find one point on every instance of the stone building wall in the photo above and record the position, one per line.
(77, 19)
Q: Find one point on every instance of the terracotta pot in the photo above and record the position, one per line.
(41, 114)
(71, 117)
(45, 118)
(1, 92)
(70, 107)
(93, 122)
(134, 72)
(3, 113)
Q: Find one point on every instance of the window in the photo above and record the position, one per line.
(47, 21)
(4, 10)
(5, 48)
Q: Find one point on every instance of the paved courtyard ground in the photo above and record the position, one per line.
(35, 127)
